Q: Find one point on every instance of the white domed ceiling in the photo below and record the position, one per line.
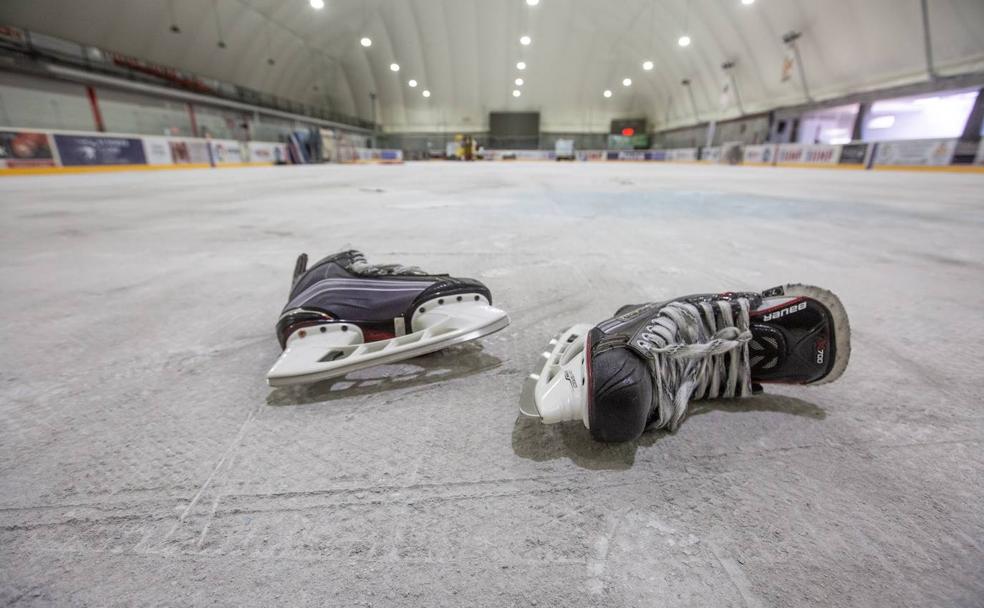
(465, 52)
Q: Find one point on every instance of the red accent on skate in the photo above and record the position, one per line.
(375, 335)
(300, 325)
(757, 312)
(587, 370)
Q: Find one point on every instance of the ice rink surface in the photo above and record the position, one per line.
(144, 461)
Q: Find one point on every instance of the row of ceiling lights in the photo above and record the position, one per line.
(647, 65)
(525, 40)
(366, 42)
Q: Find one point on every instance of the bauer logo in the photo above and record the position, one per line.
(785, 311)
(570, 378)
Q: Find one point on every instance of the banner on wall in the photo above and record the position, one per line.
(924, 152)
(379, 155)
(521, 154)
(263, 152)
(788, 64)
(725, 100)
(820, 154)
(25, 149)
(589, 155)
(185, 152)
(711, 154)
(682, 154)
(226, 151)
(764, 154)
(158, 151)
(96, 150)
(853, 154)
(329, 146)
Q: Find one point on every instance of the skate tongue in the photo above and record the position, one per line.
(767, 350)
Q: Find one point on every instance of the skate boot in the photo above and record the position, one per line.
(344, 314)
(639, 370)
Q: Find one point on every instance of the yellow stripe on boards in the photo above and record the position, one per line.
(117, 168)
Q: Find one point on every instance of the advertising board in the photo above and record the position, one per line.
(76, 150)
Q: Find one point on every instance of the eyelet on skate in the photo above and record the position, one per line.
(441, 301)
(476, 298)
(423, 310)
(323, 329)
(344, 327)
(460, 298)
(302, 333)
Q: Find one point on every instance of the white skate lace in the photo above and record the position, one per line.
(359, 266)
(693, 358)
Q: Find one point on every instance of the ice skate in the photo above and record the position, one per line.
(344, 315)
(639, 370)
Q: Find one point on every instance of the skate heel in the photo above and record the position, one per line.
(842, 327)
(621, 395)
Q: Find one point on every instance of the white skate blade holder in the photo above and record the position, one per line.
(331, 350)
(559, 391)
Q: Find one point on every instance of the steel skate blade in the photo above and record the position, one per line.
(527, 399)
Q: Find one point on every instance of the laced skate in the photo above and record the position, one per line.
(640, 369)
(344, 315)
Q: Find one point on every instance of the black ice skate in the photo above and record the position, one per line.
(344, 315)
(638, 370)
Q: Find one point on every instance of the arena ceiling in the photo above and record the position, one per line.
(465, 52)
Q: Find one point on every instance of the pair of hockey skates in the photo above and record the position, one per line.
(633, 372)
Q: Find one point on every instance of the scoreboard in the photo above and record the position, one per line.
(628, 134)
(510, 130)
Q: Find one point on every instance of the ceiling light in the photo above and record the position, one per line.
(647, 65)
(517, 92)
(532, 2)
(394, 67)
(519, 82)
(412, 83)
(317, 4)
(607, 93)
(521, 65)
(525, 40)
(366, 42)
(626, 82)
(748, 2)
(426, 93)
(684, 40)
